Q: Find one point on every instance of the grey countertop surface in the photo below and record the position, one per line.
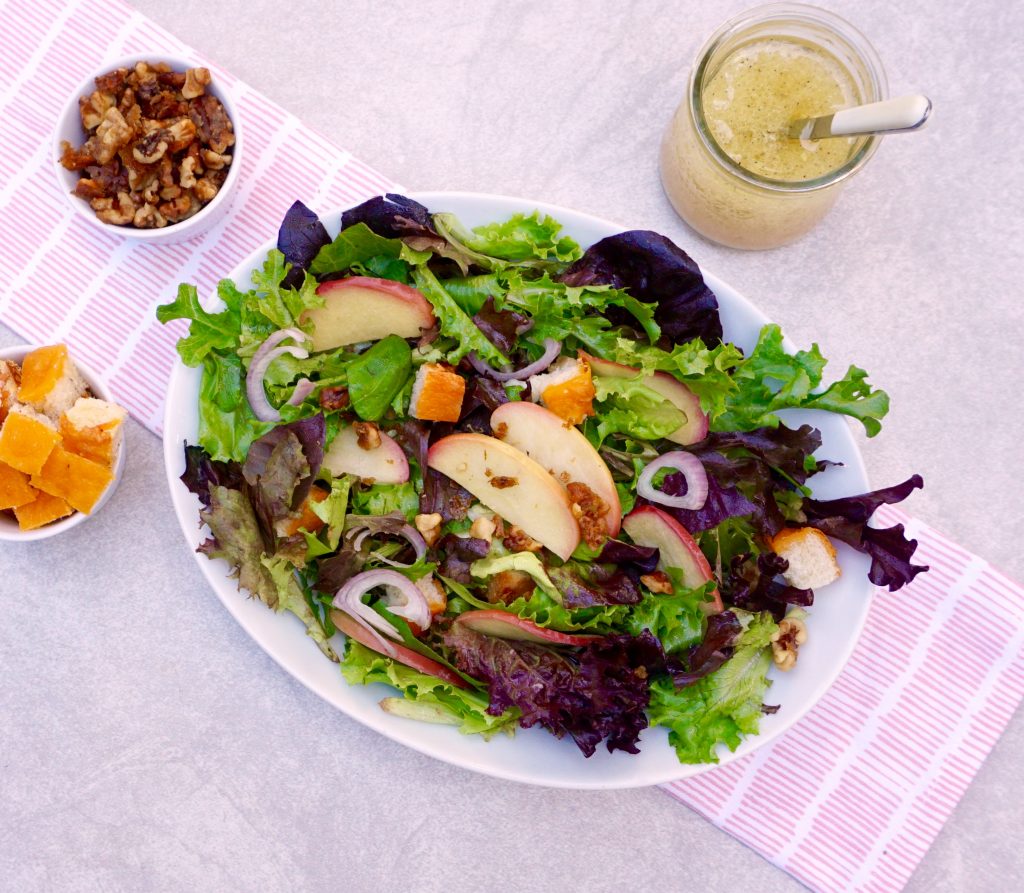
(147, 743)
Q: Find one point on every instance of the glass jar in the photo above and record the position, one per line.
(723, 200)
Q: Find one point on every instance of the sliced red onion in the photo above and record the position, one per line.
(267, 353)
(415, 539)
(692, 469)
(403, 598)
(303, 388)
(552, 349)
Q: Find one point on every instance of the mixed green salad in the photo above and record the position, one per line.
(531, 484)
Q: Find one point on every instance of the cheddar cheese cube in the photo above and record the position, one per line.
(80, 482)
(437, 394)
(50, 381)
(42, 510)
(26, 439)
(92, 429)
(14, 487)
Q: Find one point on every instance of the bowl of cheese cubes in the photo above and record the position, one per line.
(61, 442)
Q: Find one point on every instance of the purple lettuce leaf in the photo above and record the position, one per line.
(392, 216)
(654, 270)
(299, 239)
(483, 396)
(459, 553)
(335, 570)
(593, 694)
(783, 448)
(846, 519)
(721, 503)
(440, 493)
(723, 631)
(310, 434)
(631, 558)
(752, 583)
(584, 586)
(501, 327)
(203, 472)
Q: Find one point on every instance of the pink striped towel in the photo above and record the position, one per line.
(849, 799)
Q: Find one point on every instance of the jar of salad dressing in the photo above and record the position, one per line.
(728, 164)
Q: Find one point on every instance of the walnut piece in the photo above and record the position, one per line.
(367, 433)
(205, 189)
(517, 540)
(334, 398)
(657, 581)
(214, 162)
(187, 176)
(151, 148)
(112, 133)
(483, 528)
(178, 208)
(74, 159)
(181, 133)
(119, 213)
(93, 107)
(589, 510)
(212, 122)
(786, 642)
(148, 217)
(196, 82)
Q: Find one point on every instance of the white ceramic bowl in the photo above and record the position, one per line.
(534, 756)
(9, 529)
(69, 127)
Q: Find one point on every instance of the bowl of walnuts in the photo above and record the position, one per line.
(149, 148)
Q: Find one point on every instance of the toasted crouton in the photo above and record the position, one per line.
(437, 394)
(26, 439)
(811, 557)
(50, 381)
(92, 429)
(10, 380)
(567, 390)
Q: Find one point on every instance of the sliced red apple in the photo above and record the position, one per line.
(384, 464)
(511, 484)
(361, 308)
(403, 655)
(650, 526)
(694, 430)
(508, 626)
(559, 448)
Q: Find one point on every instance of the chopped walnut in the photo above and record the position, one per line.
(334, 398)
(151, 148)
(503, 482)
(148, 217)
(168, 193)
(187, 177)
(89, 189)
(589, 510)
(367, 435)
(112, 133)
(517, 540)
(127, 104)
(93, 107)
(134, 117)
(212, 122)
(786, 642)
(181, 134)
(213, 161)
(113, 81)
(658, 581)
(196, 82)
(177, 208)
(119, 213)
(507, 586)
(205, 189)
(174, 79)
(483, 529)
(429, 527)
(75, 159)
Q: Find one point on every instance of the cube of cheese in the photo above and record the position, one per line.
(437, 394)
(26, 439)
(567, 390)
(42, 510)
(14, 487)
(92, 429)
(50, 381)
(78, 481)
(10, 381)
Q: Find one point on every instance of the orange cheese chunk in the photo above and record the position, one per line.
(92, 429)
(78, 481)
(14, 488)
(42, 510)
(40, 372)
(304, 518)
(437, 394)
(573, 398)
(26, 442)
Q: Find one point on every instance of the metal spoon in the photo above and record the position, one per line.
(889, 116)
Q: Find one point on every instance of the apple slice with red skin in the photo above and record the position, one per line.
(561, 449)
(403, 655)
(384, 464)
(362, 308)
(694, 430)
(650, 526)
(503, 625)
(510, 484)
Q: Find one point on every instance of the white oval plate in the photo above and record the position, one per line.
(533, 755)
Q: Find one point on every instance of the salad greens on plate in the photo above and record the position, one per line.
(528, 483)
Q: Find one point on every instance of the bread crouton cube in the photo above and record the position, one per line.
(26, 439)
(14, 487)
(437, 394)
(811, 557)
(92, 429)
(42, 510)
(50, 381)
(10, 381)
(567, 390)
(78, 481)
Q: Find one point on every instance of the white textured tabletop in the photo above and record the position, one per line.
(147, 743)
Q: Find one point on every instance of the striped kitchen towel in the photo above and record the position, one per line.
(64, 280)
(848, 799)
(853, 795)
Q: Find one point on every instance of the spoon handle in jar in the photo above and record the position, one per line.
(900, 115)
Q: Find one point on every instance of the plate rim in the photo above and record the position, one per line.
(172, 461)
